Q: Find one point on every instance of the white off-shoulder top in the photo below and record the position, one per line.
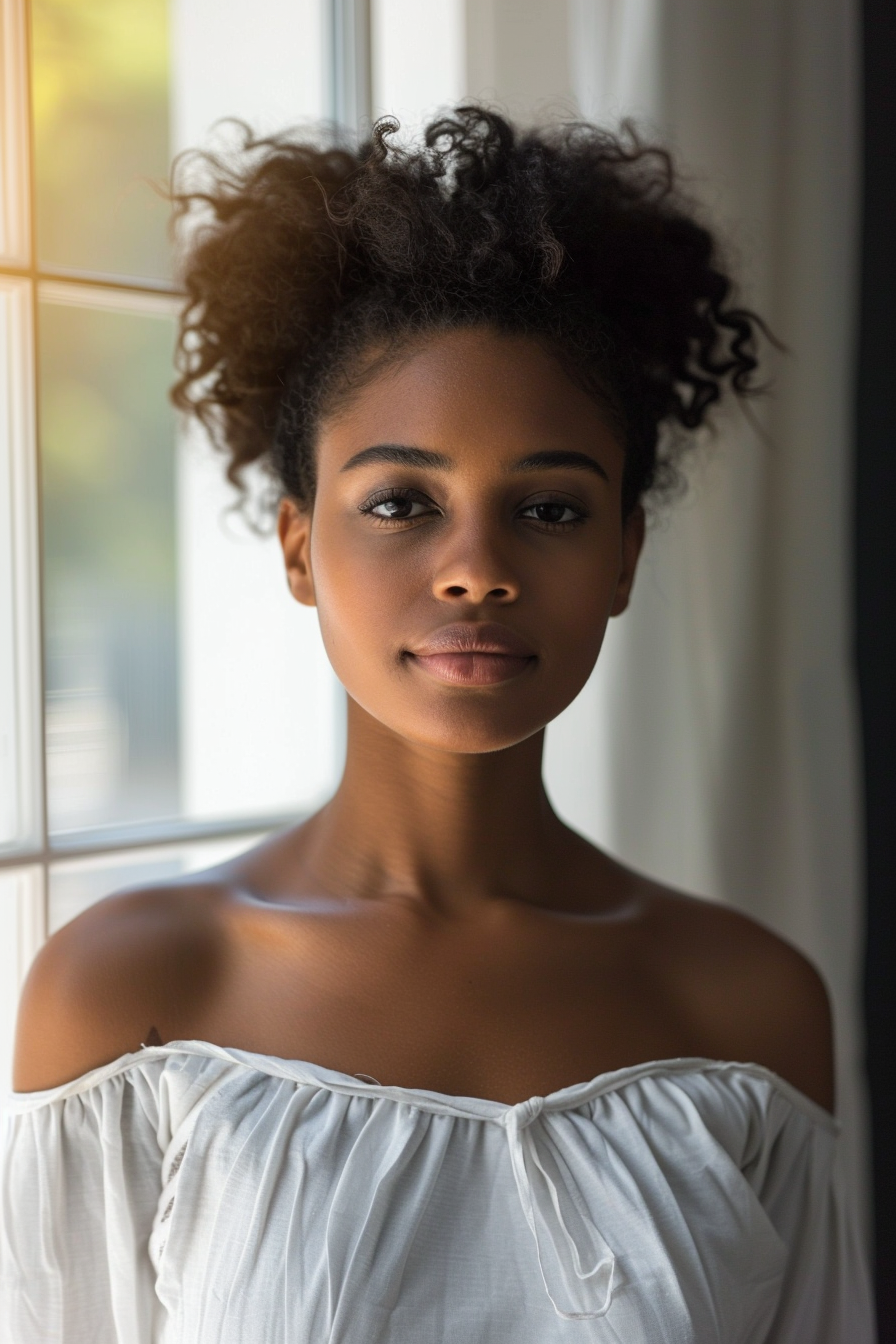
(190, 1194)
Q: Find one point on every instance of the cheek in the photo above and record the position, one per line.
(576, 599)
(575, 595)
(359, 599)
(579, 622)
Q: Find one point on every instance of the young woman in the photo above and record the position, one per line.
(429, 1068)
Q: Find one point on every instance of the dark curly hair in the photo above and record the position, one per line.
(312, 257)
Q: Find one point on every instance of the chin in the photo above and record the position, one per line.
(465, 722)
(467, 744)
(466, 729)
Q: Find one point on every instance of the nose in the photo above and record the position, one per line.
(474, 571)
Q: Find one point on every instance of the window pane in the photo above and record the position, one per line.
(100, 93)
(21, 935)
(19, 651)
(182, 679)
(120, 86)
(75, 884)
(260, 708)
(262, 711)
(418, 63)
(267, 62)
(108, 459)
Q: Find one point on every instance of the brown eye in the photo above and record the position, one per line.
(396, 507)
(552, 512)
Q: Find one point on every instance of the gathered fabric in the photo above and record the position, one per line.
(192, 1194)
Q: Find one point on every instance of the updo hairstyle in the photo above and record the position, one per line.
(313, 266)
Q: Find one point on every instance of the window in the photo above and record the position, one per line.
(163, 702)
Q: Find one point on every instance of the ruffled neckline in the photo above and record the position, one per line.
(303, 1072)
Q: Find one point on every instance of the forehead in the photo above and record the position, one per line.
(467, 390)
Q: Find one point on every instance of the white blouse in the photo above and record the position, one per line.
(190, 1194)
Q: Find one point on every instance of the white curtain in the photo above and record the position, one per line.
(716, 744)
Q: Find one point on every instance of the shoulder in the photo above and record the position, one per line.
(131, 962)
(747, 993)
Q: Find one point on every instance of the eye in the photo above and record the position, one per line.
(396, 505)
(553, 513)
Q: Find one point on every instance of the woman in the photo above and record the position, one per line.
(430, 1067)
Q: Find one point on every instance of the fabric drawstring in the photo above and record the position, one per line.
(558, 1250)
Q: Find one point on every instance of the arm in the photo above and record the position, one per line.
(129, 964)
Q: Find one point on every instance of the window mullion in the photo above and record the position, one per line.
(15, 196)
(21, 755)
(40, 892)
(351, 63)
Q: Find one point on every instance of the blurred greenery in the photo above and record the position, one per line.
(100, 95)
(110, 553)
(107, 441)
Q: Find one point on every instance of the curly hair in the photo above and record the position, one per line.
(313, 256)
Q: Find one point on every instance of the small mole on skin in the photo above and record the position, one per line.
(153, 1037)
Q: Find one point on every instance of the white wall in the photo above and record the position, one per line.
(518, 56)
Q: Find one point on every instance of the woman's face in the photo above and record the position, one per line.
(466, 546)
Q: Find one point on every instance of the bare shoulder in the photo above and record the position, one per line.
(750, 995)
(131, 962)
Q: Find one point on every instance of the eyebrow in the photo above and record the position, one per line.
(400, 455)
(559, 457)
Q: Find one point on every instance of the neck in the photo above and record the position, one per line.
(446, 828)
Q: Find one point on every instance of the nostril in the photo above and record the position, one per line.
(456, 591)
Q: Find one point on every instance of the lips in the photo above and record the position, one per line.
(473, 654)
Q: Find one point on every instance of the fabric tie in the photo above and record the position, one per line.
(577, 1266)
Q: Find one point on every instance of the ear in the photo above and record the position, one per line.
(294, 531)
(632, 541)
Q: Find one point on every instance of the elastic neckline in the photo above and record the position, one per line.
(440, 1103)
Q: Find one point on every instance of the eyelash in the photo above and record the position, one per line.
(415, 497)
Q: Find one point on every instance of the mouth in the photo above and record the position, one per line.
(473, 654)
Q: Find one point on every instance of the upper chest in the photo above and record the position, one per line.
(505, 1008)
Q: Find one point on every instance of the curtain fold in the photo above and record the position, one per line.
(716, 744)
